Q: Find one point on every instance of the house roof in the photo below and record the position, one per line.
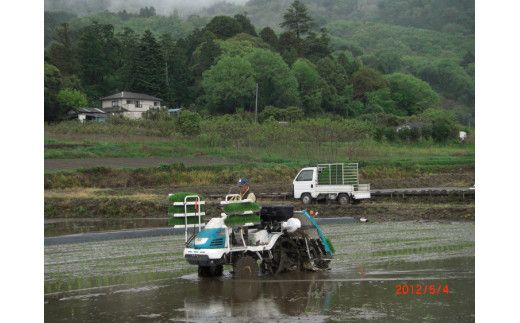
(90, 110)
(86, 110)
(130, 95)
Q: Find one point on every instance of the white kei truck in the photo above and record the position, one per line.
(338, 182)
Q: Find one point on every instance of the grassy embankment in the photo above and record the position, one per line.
(123, 193)
(293, 145)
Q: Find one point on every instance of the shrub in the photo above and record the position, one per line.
(404, 134)
(415, 134)
(390, 134)
(379, 133)
(157, 114)
(281, 114)
(441, 131)
(294, 113)
(189, 122)
(442, 122)
(271, 112)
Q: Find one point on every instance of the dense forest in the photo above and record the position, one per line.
(371, 60)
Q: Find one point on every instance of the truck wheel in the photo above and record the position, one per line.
(306, 198)
(343, 199)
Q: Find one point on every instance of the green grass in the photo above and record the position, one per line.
(367, 152)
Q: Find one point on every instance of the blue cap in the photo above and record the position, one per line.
(242, 181)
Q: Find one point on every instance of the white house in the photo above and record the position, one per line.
(129, 104)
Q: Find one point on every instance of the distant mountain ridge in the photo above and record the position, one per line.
(452, 16)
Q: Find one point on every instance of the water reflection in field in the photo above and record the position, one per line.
(147, 279)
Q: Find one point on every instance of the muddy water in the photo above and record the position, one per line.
(147, 279)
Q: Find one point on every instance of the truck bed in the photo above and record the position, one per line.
(360, 191)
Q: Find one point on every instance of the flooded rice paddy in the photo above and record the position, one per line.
(146, 279)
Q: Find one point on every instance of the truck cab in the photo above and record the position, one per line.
(304, 182)
(339, 181)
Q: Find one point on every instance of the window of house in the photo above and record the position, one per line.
(128, 101)
(137, 104)
(115, 103)
(155, 104)
(304, 176)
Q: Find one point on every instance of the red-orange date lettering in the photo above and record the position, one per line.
(421, 289)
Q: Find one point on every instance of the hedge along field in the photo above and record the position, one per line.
(301, 141)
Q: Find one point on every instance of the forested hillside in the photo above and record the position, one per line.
(440, 15)
(309, 58)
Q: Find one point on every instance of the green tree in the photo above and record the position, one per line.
(388, 61)
(148, 67)
(451, 79)
(147, 12)
(97, 51)
(411, 94)
(180, 78)
(245, 24)
(348, 62)
(277, 85)
(167, 45)
(61, 53)
(268, 36)
(336, 94)
(52, 84)
(224, 27)
(333, 73)
(314, 47)
(229, 85)
(71, 99)
(205, 56)
(297, 19)
(365, 80)
(380, 101)
(288, 46)
(128, 50)
(309, 85)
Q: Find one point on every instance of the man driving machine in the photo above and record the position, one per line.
(245, 192)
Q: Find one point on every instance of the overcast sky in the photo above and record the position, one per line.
(164, 7)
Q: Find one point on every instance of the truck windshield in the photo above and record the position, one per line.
(305, 175)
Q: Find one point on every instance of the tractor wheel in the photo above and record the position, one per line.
(286, 257)
(274, 265)
(211, 271)
(343, 199)
(245, 267)
(306, 198)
